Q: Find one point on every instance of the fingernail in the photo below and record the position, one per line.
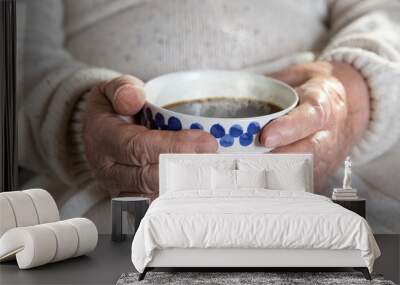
(272, 140)
(125, 92)
(128, 100)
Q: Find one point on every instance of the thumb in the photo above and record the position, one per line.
(125, 93)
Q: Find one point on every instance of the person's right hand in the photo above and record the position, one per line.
(123, 154)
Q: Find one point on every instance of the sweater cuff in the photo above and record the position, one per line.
(383, 79)
(81, 172)
(66, 148)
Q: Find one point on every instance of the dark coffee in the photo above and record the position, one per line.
(222, 107)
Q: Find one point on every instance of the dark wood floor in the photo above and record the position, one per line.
(110, 260)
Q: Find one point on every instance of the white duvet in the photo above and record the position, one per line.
(250, 219)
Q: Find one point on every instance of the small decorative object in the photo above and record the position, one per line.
(346, 192)
(136, 205)
(347, 174)
(40, 244)
(31, 231)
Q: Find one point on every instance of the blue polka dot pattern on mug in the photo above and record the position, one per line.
(226, 141)
(235, 131)
(245, 135)
(253, 128)
(245, 139)
(174, 124)
(159, 121)
(217, 131)
(196, 126)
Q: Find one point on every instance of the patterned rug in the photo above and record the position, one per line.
(244, 278)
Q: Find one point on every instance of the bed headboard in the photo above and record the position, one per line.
(233, 160)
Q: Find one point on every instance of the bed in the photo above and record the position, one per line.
(245, 211)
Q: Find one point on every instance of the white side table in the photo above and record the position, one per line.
(135, 205)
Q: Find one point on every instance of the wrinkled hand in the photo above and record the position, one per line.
(331, 118)
(124, 154)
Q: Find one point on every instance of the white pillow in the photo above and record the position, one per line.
(285, 179)
(251, 178)
(229, 179)
(223, 179)
(282, 174)
(182, 177)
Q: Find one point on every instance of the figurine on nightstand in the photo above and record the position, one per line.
(347, 174)
(346, 192)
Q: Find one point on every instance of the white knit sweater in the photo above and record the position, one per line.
(68, 46)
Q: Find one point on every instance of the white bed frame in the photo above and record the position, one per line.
(234, 257)
(250, 258)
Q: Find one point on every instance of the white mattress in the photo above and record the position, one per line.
(257, 219)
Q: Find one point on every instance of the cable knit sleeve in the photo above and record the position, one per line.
(53, 83)
(366, 34)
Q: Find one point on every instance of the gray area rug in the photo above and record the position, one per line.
(269, 278)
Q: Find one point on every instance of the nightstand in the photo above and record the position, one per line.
(357, 206)
(136, 205)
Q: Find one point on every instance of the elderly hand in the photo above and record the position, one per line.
(124, 154)
(330, 120)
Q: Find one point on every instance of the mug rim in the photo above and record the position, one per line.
(224, 119)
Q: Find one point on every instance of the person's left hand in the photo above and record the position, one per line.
(330, 120)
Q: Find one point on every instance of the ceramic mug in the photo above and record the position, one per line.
(232, 134)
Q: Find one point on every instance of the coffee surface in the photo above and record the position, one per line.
(222, 107)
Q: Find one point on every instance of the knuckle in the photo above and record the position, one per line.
(315, 142)
(106, 169)
(170, 142)
(320, 142)
(141, 179)
(137, 152)
(178, 146)
(321, 114)
(172, 145)
(314, 145)
(104, 166)
(319, 102)
(129, 181)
